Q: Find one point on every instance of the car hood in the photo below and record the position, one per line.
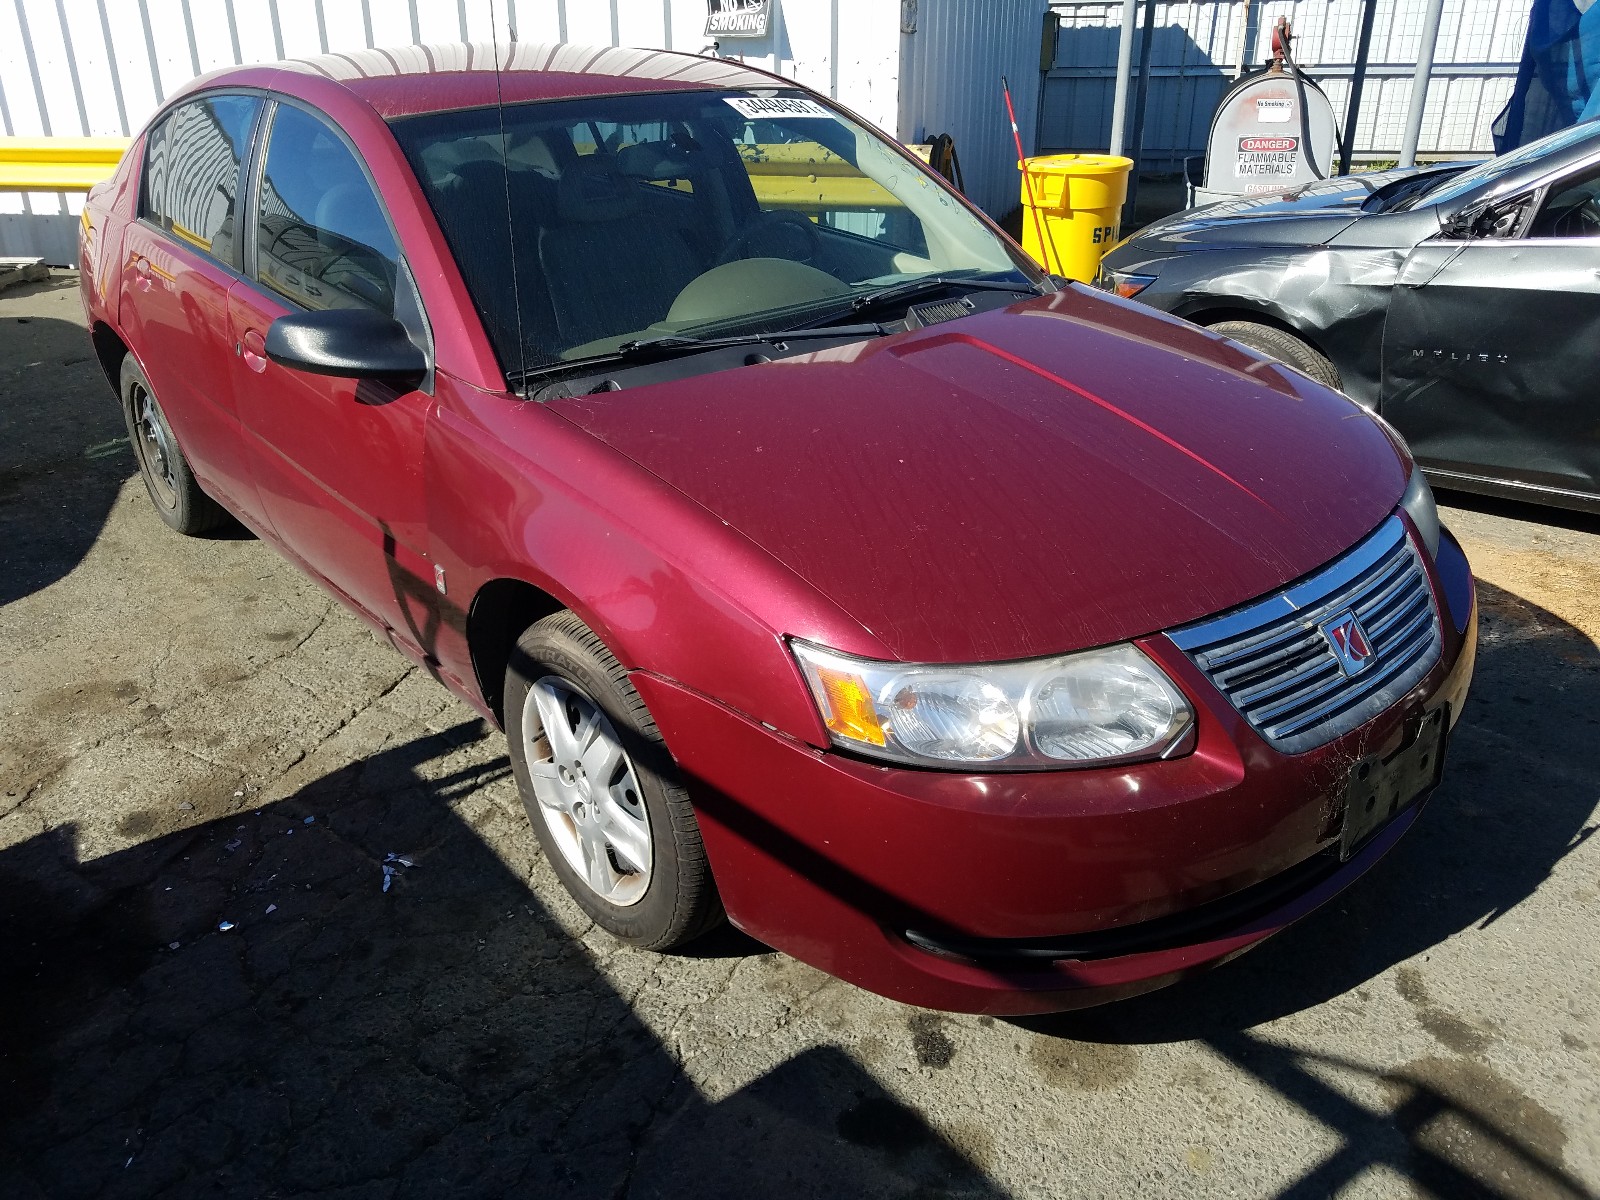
(1303, 216)
(1063, 473)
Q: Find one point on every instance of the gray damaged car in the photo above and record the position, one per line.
(1463, 304)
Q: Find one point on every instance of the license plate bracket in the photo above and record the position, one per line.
(1379, 789)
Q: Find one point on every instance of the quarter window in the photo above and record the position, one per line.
(191, 177)
(322, 239)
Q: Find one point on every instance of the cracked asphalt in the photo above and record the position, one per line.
(206, 990)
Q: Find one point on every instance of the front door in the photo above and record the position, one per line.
(181, 257)
(1491, 347)
(338, 462)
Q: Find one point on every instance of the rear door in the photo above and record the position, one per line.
(338, 462)
(181, 257)
(1491, 346)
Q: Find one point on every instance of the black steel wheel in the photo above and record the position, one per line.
(178, 498)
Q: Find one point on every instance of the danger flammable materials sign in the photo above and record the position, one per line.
(1272, 157)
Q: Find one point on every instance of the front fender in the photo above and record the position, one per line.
(515, 492)
(1334, 298)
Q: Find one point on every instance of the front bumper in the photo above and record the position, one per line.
(835, 860)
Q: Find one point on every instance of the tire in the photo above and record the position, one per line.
(560, 676)
(1285, 347)
(167, 477)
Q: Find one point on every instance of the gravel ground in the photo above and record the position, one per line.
(206, 989)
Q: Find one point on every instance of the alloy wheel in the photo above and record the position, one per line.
(588, 791)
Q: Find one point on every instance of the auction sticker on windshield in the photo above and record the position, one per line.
(1274, 157)
(768, 107)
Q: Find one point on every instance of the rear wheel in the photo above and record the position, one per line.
(602, 791)
(1285, 347)
(167, 477)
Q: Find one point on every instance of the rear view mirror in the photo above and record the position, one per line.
(353, 343)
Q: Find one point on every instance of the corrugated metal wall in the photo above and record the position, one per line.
(950, 83)
(101, 67)
(1197, 44)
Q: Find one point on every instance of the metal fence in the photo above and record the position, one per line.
(1199, 44)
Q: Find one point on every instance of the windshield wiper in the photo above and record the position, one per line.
(674, 345)
(937, 283)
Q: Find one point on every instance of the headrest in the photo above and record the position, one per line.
(592, 189)
(654, 160)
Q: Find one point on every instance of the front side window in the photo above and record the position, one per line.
(1571, 210)
(583, 224)
(322, 239)
(191, 175)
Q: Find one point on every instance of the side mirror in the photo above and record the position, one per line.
(1463, 224)
(353, 343)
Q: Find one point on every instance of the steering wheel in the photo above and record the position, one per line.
(773, 234)
(1581, 220)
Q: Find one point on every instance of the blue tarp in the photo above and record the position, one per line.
(1556, 82)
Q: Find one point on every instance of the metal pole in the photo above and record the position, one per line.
(1119, 101)
(1244, 39)
(1139, 98)
(1363, 45)
(1419, 83)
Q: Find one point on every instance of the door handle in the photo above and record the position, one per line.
(252, 348)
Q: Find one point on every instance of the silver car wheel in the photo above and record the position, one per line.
(588, 791)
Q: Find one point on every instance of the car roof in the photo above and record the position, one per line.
(1566, 147)
(410, 80)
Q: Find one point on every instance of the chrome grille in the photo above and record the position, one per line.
(1275, 665)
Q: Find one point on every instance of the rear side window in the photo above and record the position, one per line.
(322, 240)
(191, 175)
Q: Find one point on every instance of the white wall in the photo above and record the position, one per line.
(101, 67)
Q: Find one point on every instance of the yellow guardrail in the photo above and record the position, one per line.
(804, 177)
(809, 178)
(59, 164)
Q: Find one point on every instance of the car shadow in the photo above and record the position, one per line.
(430, 1029)
(1519, 795)
(1521, 510)
(64, 452)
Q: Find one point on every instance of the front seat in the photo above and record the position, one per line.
(611, 268)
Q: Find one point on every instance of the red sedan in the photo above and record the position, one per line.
(988, 642)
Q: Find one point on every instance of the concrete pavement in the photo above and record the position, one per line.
(194, 734)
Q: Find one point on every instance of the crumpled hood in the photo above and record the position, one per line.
(1063, 473)
(1303, 216)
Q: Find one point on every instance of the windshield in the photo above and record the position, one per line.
(1456, 186)
(635, 217)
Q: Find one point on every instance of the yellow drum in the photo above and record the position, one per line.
(1076, 200)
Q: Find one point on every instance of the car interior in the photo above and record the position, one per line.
(619, 231)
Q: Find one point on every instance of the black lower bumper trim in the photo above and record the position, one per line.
(1216, 919)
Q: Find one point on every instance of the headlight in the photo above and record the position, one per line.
(1123, 283)
(1419, 504)
(1092, 708)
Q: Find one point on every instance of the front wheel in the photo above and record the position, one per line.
(602, 791)
(1285, 347)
